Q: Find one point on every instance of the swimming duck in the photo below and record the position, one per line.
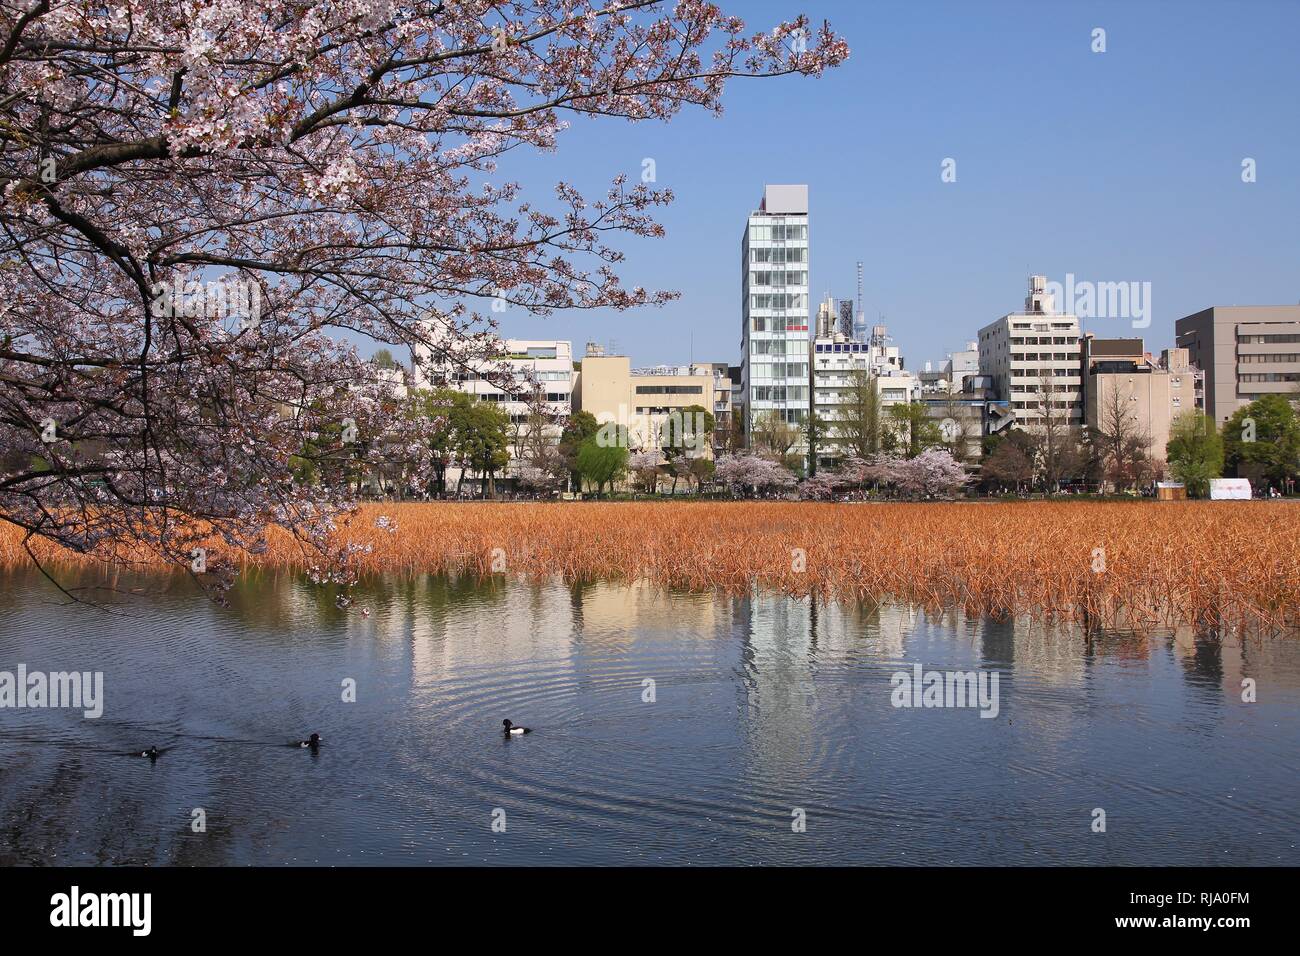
(511, 729)
(151, 753)
(313, 742)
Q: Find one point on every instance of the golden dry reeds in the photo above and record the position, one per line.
(1140, 564)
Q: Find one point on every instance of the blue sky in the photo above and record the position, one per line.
(1115, 166)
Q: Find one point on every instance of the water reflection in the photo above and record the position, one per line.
(669, 727)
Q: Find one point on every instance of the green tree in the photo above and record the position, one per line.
(916, 430)
(1194, 452)
(685, 435)
(772, 433)
(602, 464)
(701, 471)
(778, 437)
(1262, 440)
(333, 457)
(439, 403)
(481, 432)
(855, 429)
(581, 426)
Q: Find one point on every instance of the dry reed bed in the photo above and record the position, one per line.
(1228, 564)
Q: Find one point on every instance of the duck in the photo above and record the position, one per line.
(151, 753)
(313, 742)
(511, 729)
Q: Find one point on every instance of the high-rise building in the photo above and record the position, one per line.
(1245, 352)
(774, 310)
(1033, 359)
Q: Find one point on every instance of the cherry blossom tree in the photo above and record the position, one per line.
(748, 473)
(821, 486)
(874, 470)
(200, 202)
(933, 472)
(644, 466)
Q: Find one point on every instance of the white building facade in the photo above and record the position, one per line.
(547, 362)
(775, 310)
(835, 358)
(1034, 357)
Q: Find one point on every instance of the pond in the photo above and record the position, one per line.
(667, 728)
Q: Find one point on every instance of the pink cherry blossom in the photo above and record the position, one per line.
(341, 158)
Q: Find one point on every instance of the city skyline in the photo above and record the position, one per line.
(943, 259)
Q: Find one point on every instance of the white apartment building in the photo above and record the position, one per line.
(394, 379)
(951, 376)
(774, 309)
(962, 365)
(834, 359)
(1033, 356)
(548, 362)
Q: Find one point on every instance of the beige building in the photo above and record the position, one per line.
(1245, 352)
(1150, 393)
(645, 401)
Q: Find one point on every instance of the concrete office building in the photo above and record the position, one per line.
(1244, 351)
(722, 408)
(1033, 357)
(394, 379)
(962, 365)
(952, 373)
(549, 362)
(775, 310)
(1120, 375)
(834, 360)
(827, 319)
(645, 401)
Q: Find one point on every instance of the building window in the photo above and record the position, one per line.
(670, 389)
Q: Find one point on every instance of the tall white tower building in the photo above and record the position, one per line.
(774, 307)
